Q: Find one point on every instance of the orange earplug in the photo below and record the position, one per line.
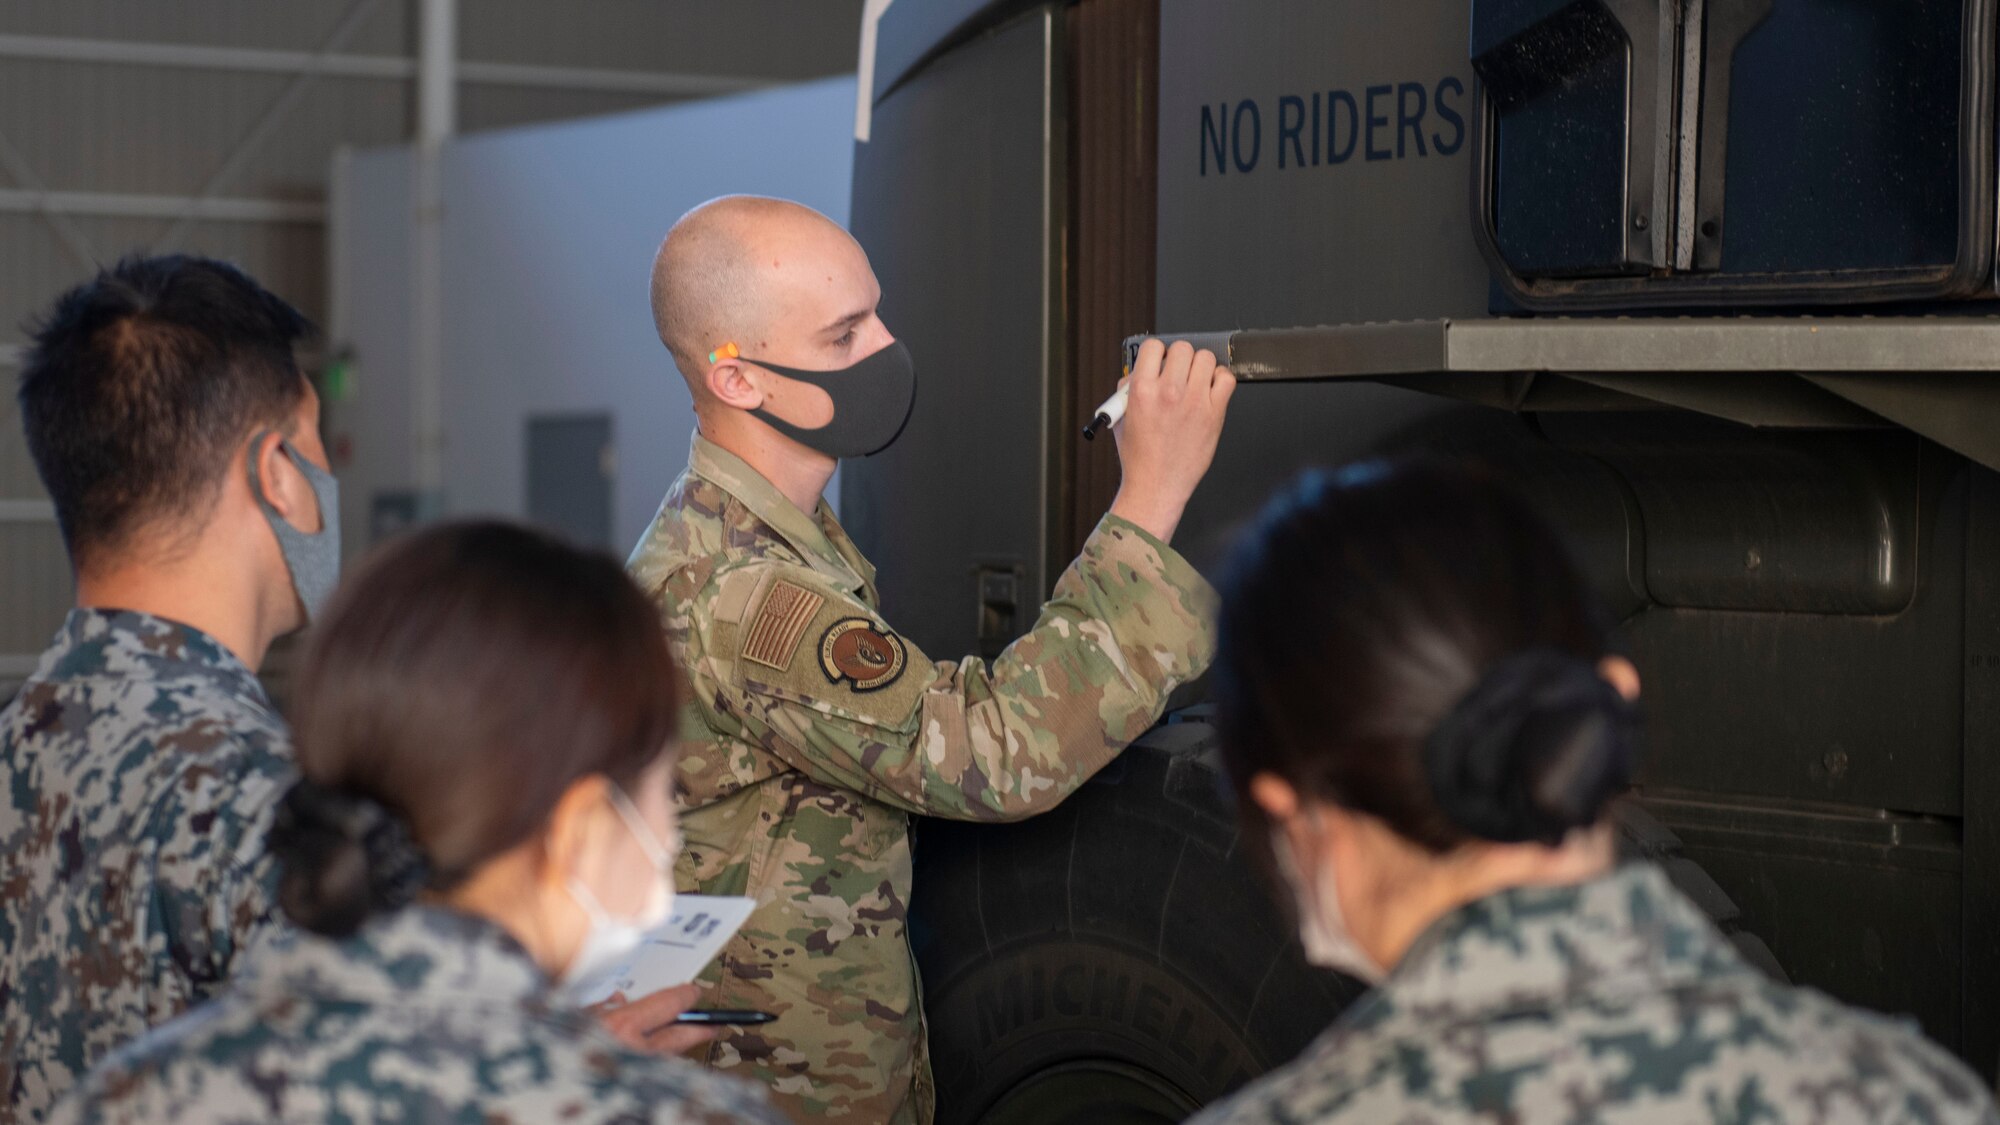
(726, 351)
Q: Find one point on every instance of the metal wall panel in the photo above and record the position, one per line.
(1850, 708)
(17, 471)
(1789, 891)
(38, 586)
(571, 464)
(956, 179)
(1295, 225)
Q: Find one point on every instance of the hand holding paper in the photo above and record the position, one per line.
(658, 973)
(676, 952)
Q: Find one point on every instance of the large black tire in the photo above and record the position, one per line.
(1116, 960)
(1119, 961)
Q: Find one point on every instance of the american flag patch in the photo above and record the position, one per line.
(775, 635)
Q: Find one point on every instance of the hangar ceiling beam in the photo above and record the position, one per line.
(295, 90)
(123, 205)
(255, 60)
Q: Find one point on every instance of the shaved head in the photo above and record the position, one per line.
(721, 274)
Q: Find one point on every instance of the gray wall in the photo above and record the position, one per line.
(549, 235)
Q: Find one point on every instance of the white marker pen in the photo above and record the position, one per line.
(1109, 413)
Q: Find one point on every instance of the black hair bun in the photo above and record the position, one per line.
(343, 858)
(1538, 747)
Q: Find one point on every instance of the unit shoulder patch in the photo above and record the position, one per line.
(854, 651)
(773, 638)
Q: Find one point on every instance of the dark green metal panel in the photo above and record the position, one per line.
(951, 202)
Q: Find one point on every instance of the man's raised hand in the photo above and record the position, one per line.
(1167, 438)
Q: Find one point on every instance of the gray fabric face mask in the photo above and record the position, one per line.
(313, 560)
(872, 400)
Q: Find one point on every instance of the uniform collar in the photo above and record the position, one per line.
(1531, 948)
(415, 955)
(122, 642)
(819, 539)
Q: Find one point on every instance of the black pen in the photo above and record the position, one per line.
(715, 1016)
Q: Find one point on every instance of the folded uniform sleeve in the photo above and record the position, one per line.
(811, 672)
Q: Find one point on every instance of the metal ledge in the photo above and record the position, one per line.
(1793, 345)
(1930, 375)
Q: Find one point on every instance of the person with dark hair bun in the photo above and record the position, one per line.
(484, 824)
(1425, 720)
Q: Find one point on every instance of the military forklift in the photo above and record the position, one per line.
(1712, 281)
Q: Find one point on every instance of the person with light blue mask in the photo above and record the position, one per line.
(179, 444)
(483, 828)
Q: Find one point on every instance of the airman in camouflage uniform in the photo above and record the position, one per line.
(141, 764)
(1613, 1000)
(427, 1014)
(820, 732)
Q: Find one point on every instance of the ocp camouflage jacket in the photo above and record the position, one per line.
(817, 731)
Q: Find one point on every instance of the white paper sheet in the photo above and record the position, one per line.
(676, 952)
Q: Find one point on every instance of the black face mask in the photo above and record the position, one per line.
(872, 400)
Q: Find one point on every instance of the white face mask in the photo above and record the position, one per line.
(610, 941)
(1322, 927)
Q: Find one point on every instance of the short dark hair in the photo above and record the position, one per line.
(1359, 614)
(459, 683)
(141, 383)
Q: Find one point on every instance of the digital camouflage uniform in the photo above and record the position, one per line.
(820, 732)
(140, 766)
(426, 1015)
(1612, 1001)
